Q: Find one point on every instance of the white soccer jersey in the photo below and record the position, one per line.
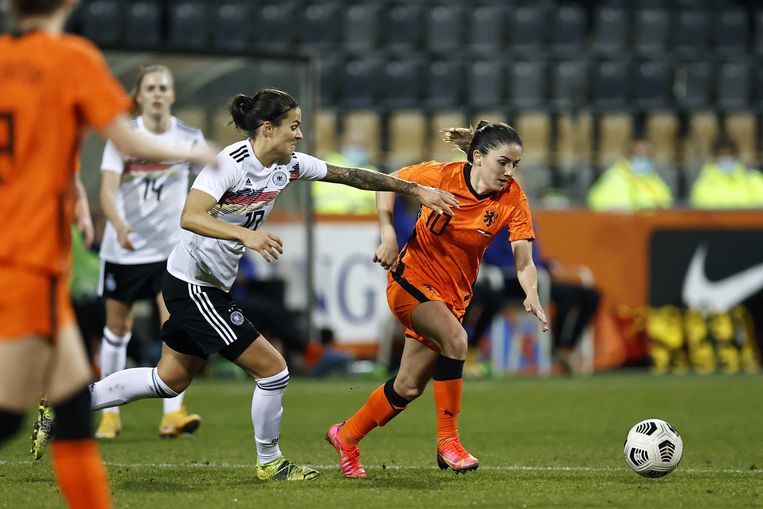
(150, 197)
(245, 191)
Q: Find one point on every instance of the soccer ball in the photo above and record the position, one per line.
(653, 448)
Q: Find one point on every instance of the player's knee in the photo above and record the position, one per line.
(175, 380)
(455, 344)
(10, 423)
(73, 417)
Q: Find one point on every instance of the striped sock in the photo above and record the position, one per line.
(128, 385)
(266, 415)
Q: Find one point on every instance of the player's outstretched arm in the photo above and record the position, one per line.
(110, 181)
(436, 199)
(131, 144)
(196, 218)
(528, 279)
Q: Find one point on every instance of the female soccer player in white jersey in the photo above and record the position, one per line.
(142, 202)
(223, 215)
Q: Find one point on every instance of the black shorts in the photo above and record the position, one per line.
(204, 320)
(129, 283)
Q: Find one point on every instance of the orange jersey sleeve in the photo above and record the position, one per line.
(447, 251)
(426, 174)
(52, 89)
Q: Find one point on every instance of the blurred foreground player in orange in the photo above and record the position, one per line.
(430, 284)
(52, 88)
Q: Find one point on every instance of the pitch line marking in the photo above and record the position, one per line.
(499, 468)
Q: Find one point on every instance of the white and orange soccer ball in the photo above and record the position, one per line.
(653, 448)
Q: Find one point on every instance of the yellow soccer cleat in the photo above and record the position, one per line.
(281, 469)
(177, 422)
(42, 431)
(111, 425)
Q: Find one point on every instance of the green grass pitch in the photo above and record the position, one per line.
(542, 443)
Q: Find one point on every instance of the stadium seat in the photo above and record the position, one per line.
(402, 82)
(329, 76)
(702, 131)
(734, 85)
(690, 31)
(569, 85)
(359, 82)
(368, 123)
(325, 132)
(274, 28)
(730, 31)
(609, 89)
(527, 28)
(527, 85)
(573, 143)
(361, 23)
(319, 27)
(651, 31)
(610, 30)
(444, 27)
(484, 84)
(535, 129)
(407, 138)
(486, 28)
(187, 25)
(741, 126)
(143, 24)
(759, 30)
(615, 134)
(231, 26)
(102, 22)
(445, 83)
(694, 84)
(654, 85)
(403, 22)
(568, 28)
(440, 150)
(662, 132)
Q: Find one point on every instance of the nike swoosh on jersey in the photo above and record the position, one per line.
(718, 296)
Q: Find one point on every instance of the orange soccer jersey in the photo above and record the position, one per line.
(441, 259)
(52, 88)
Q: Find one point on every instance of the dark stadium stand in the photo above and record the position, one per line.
(649, 64)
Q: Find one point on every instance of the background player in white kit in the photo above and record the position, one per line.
(142, 202)
(222, 215)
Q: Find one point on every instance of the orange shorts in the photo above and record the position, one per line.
(32, 303)
(405, 293)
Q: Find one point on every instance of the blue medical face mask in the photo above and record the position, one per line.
(641, 165)
(726, 164)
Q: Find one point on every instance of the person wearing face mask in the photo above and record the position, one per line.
(631, 184)
(725, 182)
(345, 200)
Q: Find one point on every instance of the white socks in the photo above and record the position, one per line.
(128, 385)
(114, 358)
(113, 354)
(266, 415)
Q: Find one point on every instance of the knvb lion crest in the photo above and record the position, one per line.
(489, 217)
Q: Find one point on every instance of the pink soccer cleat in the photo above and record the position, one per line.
(349, 455)
(451, 454)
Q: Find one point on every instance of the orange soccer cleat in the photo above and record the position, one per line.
(349, 455)
(451, 454)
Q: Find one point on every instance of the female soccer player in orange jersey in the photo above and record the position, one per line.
(53, 87)
(430, 284)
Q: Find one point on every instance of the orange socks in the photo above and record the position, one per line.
(383, 404)
(447, 400)
(80, 474)
(448, 382)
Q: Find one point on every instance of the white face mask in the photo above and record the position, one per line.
(641, 165)
(726, 164)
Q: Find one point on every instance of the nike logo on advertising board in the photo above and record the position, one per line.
(718, 296)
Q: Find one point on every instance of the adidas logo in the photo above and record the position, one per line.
(248, 182)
